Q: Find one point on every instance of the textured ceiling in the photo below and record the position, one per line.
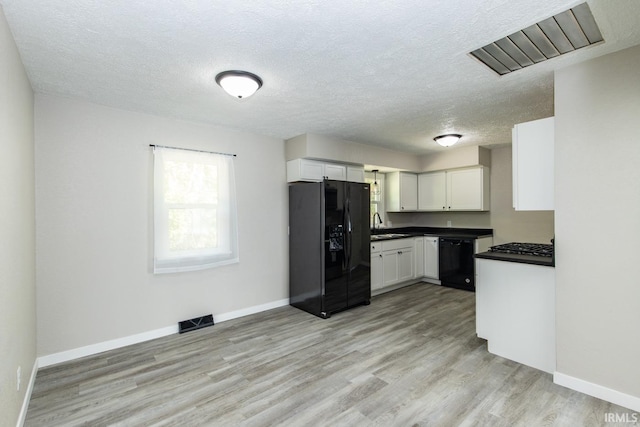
(389, 73)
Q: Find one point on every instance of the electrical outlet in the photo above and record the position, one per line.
(448, 223)
(18, 377)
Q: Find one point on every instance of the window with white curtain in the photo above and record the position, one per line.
(195, 224)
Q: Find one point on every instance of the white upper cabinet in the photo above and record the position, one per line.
(468, 189)
(432, 191)
(304, 170)
(355, 173)
(401, 191)
(533, 164)
(315, 170)
(335, 172)
(455, 190)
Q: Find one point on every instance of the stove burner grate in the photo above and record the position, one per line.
(536, 249)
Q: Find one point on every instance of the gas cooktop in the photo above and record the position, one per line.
(535, 249)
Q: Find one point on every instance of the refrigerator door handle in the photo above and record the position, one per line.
(348, 236)
(345, 261)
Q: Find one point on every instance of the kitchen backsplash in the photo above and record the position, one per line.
(440, 219)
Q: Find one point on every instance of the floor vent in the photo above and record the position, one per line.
(195, 323)
(562, 33)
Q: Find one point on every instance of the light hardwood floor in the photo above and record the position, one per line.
(410, 358)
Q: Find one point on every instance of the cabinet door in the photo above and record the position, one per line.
(376, 271)
(304, 170)
(533, 165)
(408, 191)
(432, 191)
(465, 189)
(418, 250)
(355, 174)
(401, 191)
(390, 267)
(431, 257)
(405, 264)
(335, 172)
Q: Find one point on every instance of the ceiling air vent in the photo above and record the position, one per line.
(555, 36)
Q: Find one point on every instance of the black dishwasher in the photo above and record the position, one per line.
(456, 263)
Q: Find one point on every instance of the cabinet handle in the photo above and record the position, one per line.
(380, 255)
(399, 252)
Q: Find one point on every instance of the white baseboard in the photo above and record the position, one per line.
(250, 310)
(89, 350)
(92, 349)
(596, 390)
(27, 395)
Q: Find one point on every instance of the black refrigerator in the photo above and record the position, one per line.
(329, 246)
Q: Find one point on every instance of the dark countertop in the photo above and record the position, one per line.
(522, 259)
(463, 233)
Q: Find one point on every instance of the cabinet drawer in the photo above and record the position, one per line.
(397, 244)
(376, 247)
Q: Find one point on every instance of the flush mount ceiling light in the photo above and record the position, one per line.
(241, 84)
(447, 140)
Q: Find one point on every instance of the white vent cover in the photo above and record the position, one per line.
(562, 33)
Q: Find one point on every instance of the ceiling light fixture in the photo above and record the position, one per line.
(241, 84)
(447, 140)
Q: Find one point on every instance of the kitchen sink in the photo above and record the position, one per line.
(386, 236)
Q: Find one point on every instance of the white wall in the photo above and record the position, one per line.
(508, 224)
(597, 199)
(17, 229)
(455, 157)
(94, 227)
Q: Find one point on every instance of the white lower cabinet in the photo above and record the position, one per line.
(431, 257)
(392, 262)
(418, 248)
(389, 268)
(405, 264)
(376, 266)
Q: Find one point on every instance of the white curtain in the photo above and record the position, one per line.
(195, 220)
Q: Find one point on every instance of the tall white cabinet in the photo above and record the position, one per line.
(533, 165)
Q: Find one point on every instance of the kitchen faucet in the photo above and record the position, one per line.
(374, 220)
